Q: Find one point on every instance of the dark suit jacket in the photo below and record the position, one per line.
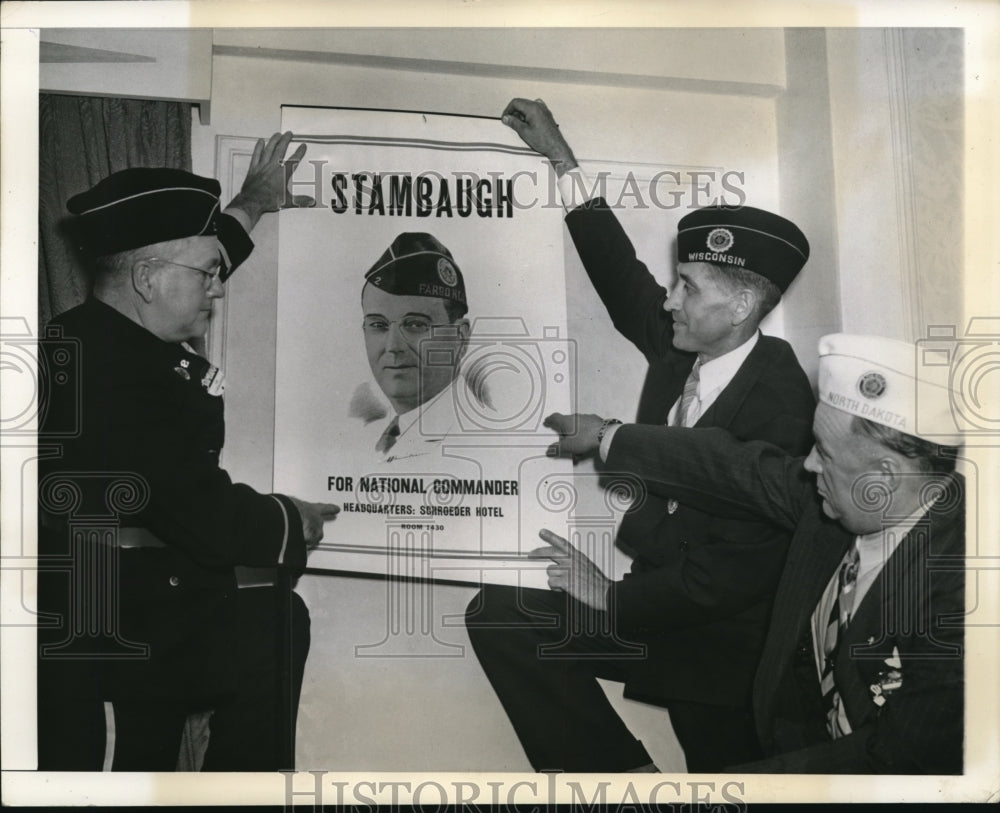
(139, 410)
(700, 588)
(912, 612)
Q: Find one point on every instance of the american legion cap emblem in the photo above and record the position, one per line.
(720, 240)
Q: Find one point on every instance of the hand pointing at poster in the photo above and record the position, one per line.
(573, 572)
(313, 515)
(533, 121)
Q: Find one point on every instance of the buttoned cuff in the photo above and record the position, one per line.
(234, 240)
(292, 553)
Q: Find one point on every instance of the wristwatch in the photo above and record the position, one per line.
(604, 428)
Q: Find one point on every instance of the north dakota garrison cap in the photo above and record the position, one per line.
(749, 238)
(141, 206)
(880, 379)
(418, 264)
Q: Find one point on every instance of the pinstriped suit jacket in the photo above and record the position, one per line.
(913, 611)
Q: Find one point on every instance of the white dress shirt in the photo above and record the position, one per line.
(714, 377)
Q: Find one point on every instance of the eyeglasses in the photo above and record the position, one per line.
(218, 271)
(413, 327)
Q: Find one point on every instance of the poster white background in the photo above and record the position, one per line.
(509, 250)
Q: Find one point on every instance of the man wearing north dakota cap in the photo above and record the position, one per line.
(698, 594)
(862, 670)
(416, 334)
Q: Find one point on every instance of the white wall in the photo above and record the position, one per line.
(897, 134)
(811, 306)
(426, 712)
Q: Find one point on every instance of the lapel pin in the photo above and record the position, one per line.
(671, 506)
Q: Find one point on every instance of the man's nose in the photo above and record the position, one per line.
(812, 462)
(395, 341)
(216, 290)
(675, 298)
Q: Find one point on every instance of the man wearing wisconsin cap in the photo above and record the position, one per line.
(862, 670)
(700, 623)
(416, 334)
(140, 528)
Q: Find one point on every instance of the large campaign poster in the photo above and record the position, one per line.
(462, 489)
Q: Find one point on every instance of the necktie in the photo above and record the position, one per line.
(685, 414)
(388, 438)
(685, 411)
(840, 616)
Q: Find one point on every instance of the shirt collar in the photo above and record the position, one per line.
(874, 549)
(407, 419)
(717, 373)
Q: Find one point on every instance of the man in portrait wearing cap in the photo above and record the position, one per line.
(696, 601)
(143, 621)
(862, 669)
(416, 334)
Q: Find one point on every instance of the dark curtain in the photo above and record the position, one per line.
(83, 139)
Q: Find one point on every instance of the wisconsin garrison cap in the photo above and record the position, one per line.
(749, 238)
(418, 264)
(880, 379)
(141, 206)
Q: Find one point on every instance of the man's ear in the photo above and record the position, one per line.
(743, 304)
(464, 331)
(891, 472)
(142, 280)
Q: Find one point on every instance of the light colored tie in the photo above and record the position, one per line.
(688, 399)
(388, 437)
(685, 415)
(840, 617)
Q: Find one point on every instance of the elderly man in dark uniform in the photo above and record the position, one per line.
(863, 667)
(685, 627)
(140, 528)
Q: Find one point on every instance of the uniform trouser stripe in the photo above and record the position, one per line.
(109, 735)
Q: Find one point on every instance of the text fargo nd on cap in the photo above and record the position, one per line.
(142, 206)
(748, 238)
(879, 379)
(418, 264)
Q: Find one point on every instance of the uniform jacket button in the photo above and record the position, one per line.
(174, 581)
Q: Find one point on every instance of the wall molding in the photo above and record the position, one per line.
(232, 160)
(903, 173)
(497, 71)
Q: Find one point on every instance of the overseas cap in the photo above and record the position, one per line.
(878, 379)
(141, 206)
(749, 238)
(418, 264)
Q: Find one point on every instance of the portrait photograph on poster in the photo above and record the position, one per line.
(421, 342)
(498, 411)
